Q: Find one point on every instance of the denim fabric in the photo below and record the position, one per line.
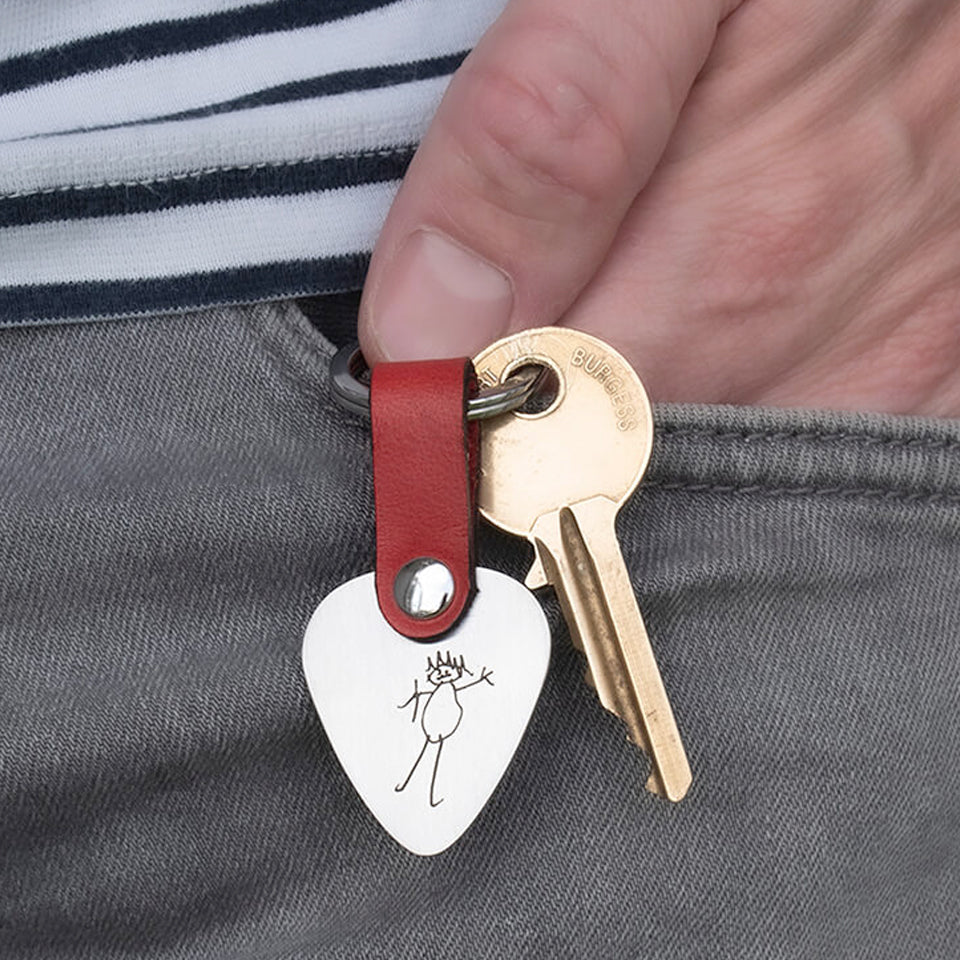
(179, 493)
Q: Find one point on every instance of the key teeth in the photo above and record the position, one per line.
(653, 785)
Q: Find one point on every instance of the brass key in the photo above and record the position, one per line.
(558, 476)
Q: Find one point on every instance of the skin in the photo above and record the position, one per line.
(756, 202)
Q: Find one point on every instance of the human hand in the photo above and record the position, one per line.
(756, 202)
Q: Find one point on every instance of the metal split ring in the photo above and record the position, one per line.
(348, 374)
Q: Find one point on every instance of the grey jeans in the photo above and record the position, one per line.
(180, 492)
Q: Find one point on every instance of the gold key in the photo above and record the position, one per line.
(558, 476)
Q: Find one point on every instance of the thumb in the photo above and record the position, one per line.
(545, 136)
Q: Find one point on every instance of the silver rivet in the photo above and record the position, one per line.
(423, 588)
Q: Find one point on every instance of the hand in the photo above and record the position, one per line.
(756, 202)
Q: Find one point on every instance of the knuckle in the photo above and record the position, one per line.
(544, 133)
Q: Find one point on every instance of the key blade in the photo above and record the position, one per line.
(582, 559)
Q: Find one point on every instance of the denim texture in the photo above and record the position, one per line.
(179, 493)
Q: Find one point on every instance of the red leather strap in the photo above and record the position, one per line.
(425, 457)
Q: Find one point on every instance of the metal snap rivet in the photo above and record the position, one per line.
(423, 588)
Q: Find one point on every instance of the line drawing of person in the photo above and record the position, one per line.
(442, 711)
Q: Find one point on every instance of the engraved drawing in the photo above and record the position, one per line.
(442, 712)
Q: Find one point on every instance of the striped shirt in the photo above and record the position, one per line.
(169, 154)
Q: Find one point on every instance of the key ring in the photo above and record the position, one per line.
(348, 370)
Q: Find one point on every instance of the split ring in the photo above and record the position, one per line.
(348, 375)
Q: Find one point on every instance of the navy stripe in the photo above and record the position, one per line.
(61, 302)
(329, 84)
(257, 180)
(165, 37)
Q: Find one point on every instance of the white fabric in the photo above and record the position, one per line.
(196, 239)
(402, 32)
(348, 122)
(30, 25)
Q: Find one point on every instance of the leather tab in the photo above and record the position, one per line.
(425, 459)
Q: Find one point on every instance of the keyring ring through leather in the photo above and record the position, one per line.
(348, 371)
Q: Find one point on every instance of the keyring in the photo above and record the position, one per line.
(348, 374)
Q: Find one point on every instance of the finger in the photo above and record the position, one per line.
(544, 138)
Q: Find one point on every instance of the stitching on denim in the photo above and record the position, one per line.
(865, 493)
(812, 436)
(195, 174)
(288, 349)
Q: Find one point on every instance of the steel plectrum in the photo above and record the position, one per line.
(425, 731)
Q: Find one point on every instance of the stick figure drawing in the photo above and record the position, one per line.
(442, 712)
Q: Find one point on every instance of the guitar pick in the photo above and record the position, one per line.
(425, 731)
